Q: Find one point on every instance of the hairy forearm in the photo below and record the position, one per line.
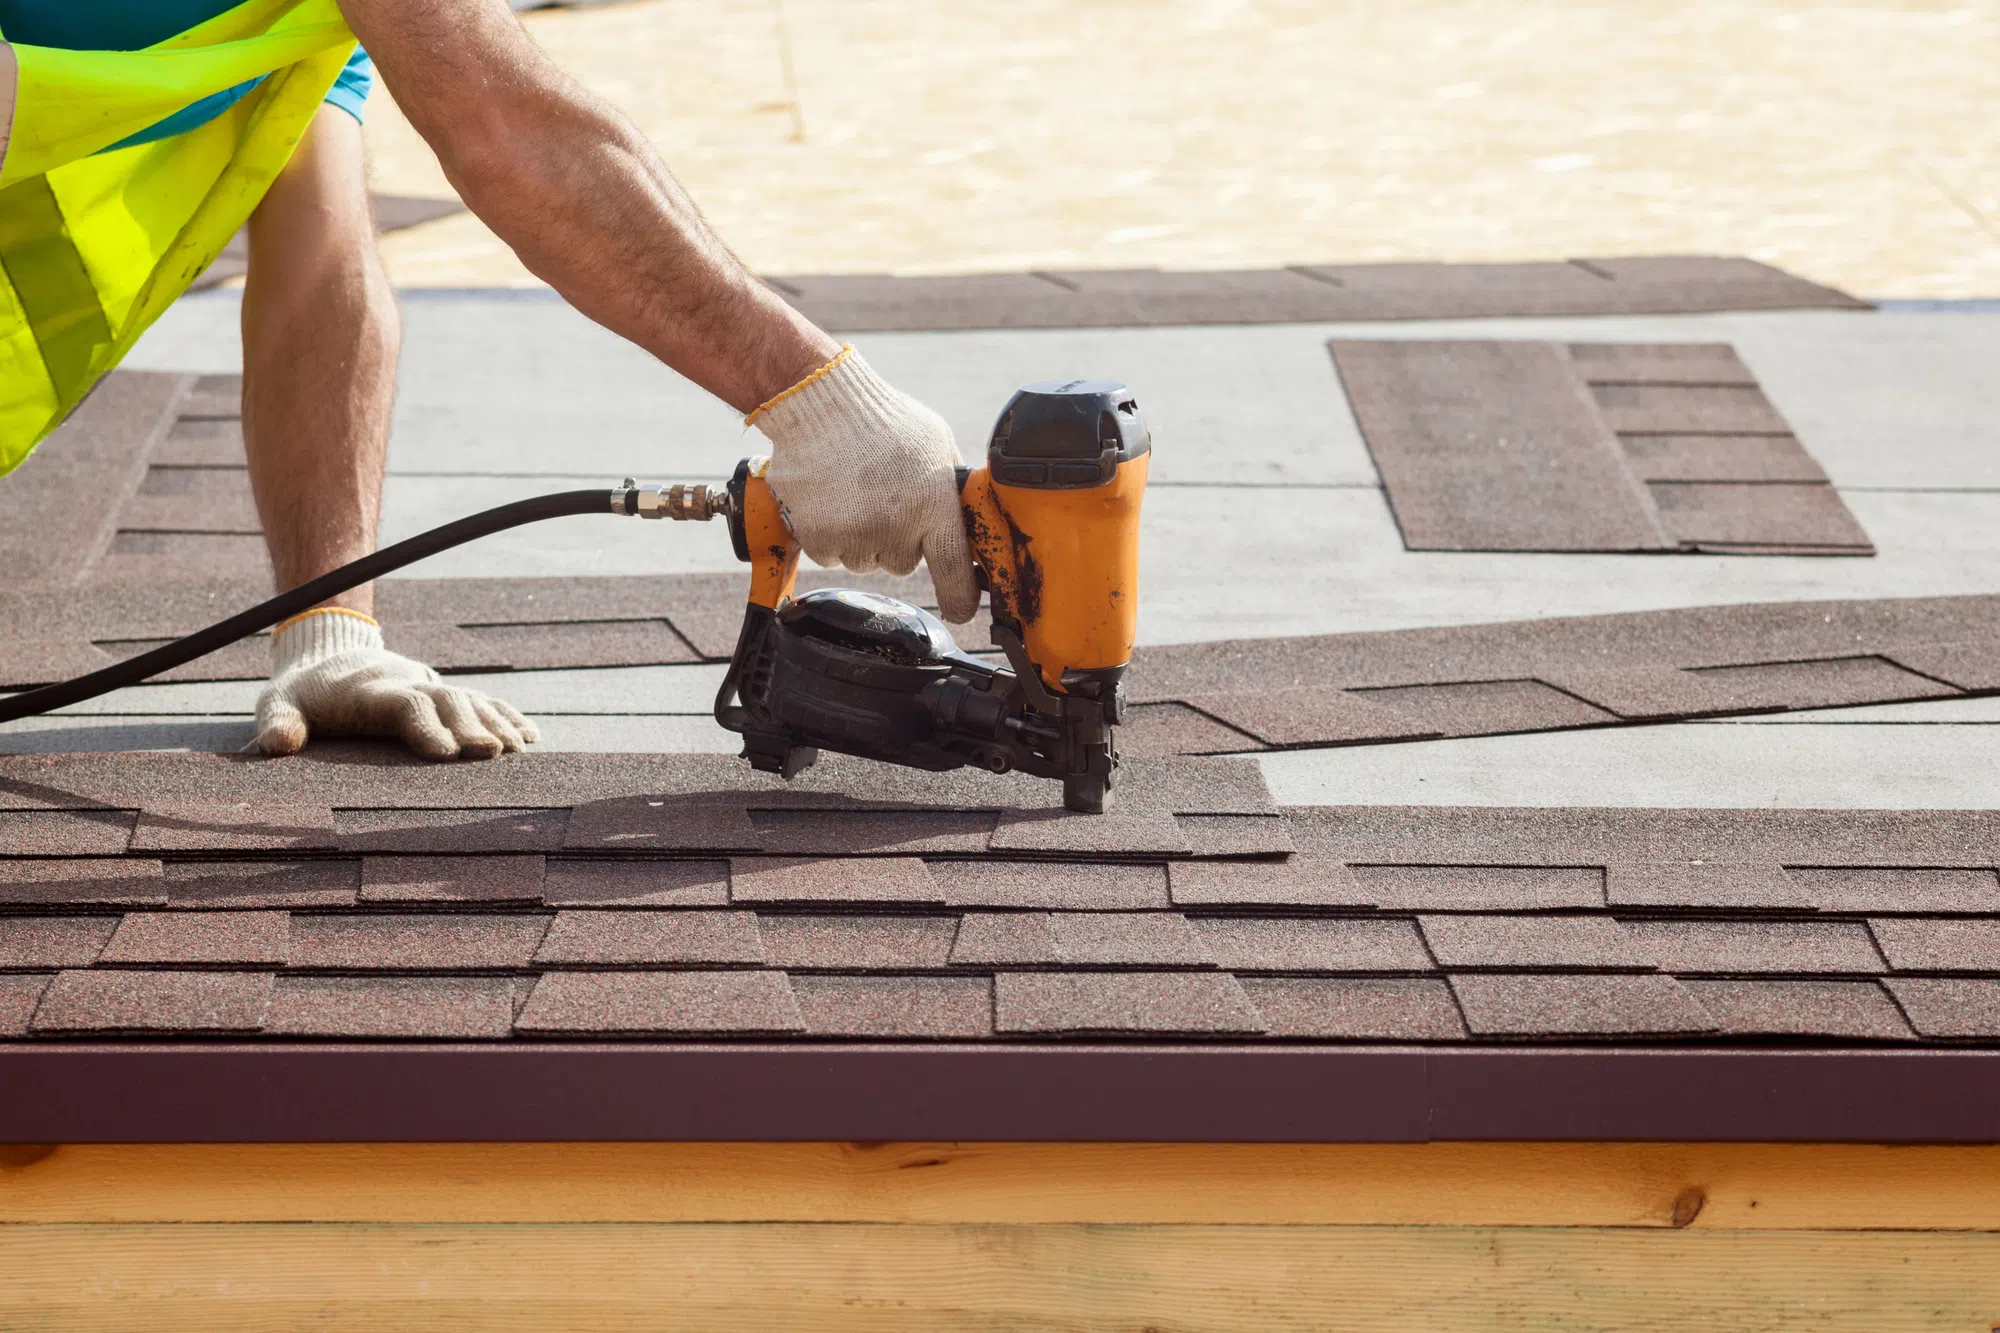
(582, 198)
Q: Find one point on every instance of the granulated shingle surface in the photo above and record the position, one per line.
(857, 943)
(1897, 889)
(130, 882)
(1078, 886)
(1164, 1002)
(1921, 944)
(1314, 944)
(1141, 939)
(1555, 943)
(412, 942)
(1119, 833)
(879, 832)
(65, 832)
(828, 880)
(1297, 881)
(901, 1006)
(218, 884)
(1356, 1009)
(439, 1008)
(1852, 1009)
(1005, 939)
(246, 939)
(488, 830)
(1580, 1004)
(1487, 707)
(661, 1002)
(20, 992)
(1956, 1007)
(53, 941)
(1236, 835)
(636, 883)
(391, 879)
(1481, 888)
(118, 1000)
(1757, 946)
(612, 939)
(1703, 884)
(240, 827)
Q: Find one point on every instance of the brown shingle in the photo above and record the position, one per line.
(1801, 1008)
(1896, 889)
(613, 938)
(1082, 887)
(889, 879)
(660, 1002)
(1131, 1002)
(1315, 944)
(121, 1000)
(1357, 1008)
(394, 879)
(65, 832)
(871, 832)
(20, 992)
(636, 884)
(1919, 944)
(125, 881)
(664, 823)
(1703, 884)
(416, 942)
(1953, 1007)
(440, 1008)
(855, 943)
(447, 831)
(1498, 1004)
(1303, 880)
(1237, 835)
(1005, 939)
(1757, 946)
(1548, 943)
(935, 1007)
(317, 883)
(1480, 888)
(245, 826)
(1118, 833)
(243, 939)
(53, 941)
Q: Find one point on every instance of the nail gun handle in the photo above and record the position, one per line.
(761, 536)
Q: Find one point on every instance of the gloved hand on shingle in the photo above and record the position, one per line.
(866, 475)
(331, 676)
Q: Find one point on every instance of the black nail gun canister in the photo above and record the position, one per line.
(1053, 519)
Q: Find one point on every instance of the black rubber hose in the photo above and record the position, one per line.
(286, 604)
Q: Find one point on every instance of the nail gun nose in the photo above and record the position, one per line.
(697, 503)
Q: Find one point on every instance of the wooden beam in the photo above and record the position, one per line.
(1732, 1186)
(887, 1279)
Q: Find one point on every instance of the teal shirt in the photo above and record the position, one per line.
(130, 25)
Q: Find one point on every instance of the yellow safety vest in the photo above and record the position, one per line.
(94, 245)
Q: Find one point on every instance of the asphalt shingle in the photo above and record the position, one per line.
(625, 938)
(216, 939)
(1803, 947)
(1315, 944)
(1930, 944)
(438, 1008)
(1498, 1004)
(121, 1000)
(856, 943)
(422, 942)
(1356, 1008)
(1128, 1002)
(44, 942)
(895, 1006)
(666, 1003)
(1520, 943)
(404, 879)
(1850, 1009)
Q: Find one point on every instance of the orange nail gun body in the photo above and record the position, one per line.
(1053, 519)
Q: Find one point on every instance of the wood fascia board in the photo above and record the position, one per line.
(1827, 1187)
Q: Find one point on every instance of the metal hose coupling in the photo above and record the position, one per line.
(699, 503)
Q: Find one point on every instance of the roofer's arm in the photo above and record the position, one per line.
(865, 471)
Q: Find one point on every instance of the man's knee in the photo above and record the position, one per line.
(315, 222)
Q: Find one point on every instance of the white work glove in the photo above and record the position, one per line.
(865, 473)
(330, 674)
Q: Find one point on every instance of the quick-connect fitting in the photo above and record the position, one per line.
(697, 503)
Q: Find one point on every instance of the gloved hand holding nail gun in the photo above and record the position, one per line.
(565, 180)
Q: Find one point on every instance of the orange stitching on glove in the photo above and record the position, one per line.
(324, 611)
(846, 351)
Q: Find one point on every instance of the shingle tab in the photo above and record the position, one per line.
(244, 826)
(242, 939)
(1128, 939)
(1498, 1004)
(121, 1000)
(1703, 884)
(1236, 835)
(1518, 943)
(614, 938)
(636, 884)
(428, 942)
(1089, 886)
(1853, 1009)
(44, 942)
(665, 823)
(1920, 944)
(123, 881)
(439, 1008)
(1120, 833)
(1304, 880)
(871, 832)
(20, 992)
(447, 831)
(1005, 939)
(1445, 888)
(1757, 946)
(660, 1002)
(1315, 944)
(1357, 1008)
(899, 1006)
(316, 883)
(1896, 889)
(402, 879)
(855, 943)
(886, 879)
(1955, 1007)
(65, 832)
(1131, 1002)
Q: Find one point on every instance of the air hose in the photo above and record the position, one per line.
(132, 670)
